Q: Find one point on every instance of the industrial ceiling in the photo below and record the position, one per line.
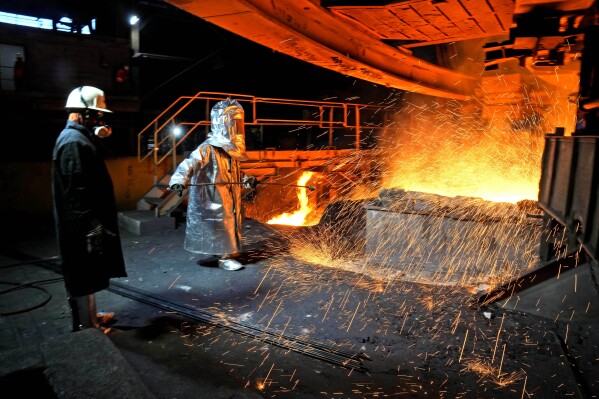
(380, 41)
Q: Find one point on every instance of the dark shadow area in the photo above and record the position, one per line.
(260, 251)
(158, 327)
(163, 355)
(28, 384)
(211, 261)
(263, 250)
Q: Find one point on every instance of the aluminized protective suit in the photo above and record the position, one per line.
(214, 215)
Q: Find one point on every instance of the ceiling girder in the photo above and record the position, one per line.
(309, 32)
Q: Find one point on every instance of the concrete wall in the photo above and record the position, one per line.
(26, 186)
(59, 61)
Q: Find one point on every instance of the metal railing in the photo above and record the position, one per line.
(190, 113)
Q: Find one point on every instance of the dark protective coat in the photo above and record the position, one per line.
(83, 196)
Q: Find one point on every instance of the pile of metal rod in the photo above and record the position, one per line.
(279, 338)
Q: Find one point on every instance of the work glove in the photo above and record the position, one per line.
(250, 182)
(97, 239)
(178, 188)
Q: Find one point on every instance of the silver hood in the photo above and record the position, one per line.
(227, 128)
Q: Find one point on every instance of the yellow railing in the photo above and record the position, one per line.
(193, 112)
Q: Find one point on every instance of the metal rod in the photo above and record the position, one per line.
(271, 336)
(537, 276)
(311, 188)
(313, 349)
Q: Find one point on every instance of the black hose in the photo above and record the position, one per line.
(34, 285)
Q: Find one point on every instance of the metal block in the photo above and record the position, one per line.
(449, 249)
(143, 222)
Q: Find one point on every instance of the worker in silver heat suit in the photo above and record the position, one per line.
(212, 173)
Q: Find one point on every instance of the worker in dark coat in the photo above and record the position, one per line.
(85, 209)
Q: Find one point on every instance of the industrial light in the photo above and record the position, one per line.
(133, 20)
(177, 131)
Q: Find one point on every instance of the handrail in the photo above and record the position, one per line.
(162, 143)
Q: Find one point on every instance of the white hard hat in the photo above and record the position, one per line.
(87, 97)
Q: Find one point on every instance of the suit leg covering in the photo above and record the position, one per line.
(83, 312)
(73, 305)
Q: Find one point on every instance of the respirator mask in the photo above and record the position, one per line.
(102, 131)
(93, 119)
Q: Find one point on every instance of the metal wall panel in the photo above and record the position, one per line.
(561, 190)
(569, 187)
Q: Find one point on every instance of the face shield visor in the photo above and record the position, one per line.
(228, 129)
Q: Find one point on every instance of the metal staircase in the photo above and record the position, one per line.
(160, 199)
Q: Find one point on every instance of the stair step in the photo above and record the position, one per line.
(154, 200)
(142, 222)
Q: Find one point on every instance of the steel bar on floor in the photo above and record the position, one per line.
(310, 348)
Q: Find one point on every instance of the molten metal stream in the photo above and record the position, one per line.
(298, 217)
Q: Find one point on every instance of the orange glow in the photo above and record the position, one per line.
(486, 173)
(297, 218)
(492, 162)
(491, 147)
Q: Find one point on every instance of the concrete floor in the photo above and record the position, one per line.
(282, 328)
